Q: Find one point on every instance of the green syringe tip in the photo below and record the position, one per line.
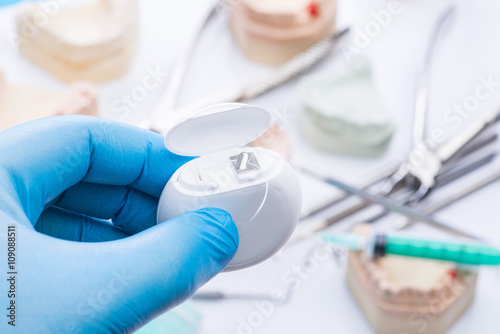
(465, 253)
(349, 240)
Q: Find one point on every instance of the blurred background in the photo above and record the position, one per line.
(329, 116)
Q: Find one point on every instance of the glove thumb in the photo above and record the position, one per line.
(170, 261)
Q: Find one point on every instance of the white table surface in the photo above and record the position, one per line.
(321, 302)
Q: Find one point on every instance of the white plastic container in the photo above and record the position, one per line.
(258, 187)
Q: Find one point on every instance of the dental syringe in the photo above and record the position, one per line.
(379, 244)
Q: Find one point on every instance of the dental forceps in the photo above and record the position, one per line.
(391, 205)
(435, 169)
(422, 174)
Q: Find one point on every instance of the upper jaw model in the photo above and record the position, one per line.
(274, 31)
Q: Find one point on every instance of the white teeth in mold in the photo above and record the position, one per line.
(391, 289)
(274, 31)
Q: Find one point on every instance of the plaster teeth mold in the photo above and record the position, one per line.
(274, 31)
(343, 111)
(94, 41)
(394, 292)
(19, 103)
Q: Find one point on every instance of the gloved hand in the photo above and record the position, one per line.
(81, 194)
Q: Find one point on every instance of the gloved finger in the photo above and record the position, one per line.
(71, 226)
(134, 279)
(128, 208)
(45, 157)
(178, 256)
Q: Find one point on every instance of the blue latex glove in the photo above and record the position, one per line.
(8, 2)
(62, 180)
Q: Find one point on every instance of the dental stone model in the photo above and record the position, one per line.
(276, 138)
(273, 31)
(19, 104)
(94, 41)
(343, 112)
(409, 295)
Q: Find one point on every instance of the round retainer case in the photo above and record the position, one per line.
(257, 186)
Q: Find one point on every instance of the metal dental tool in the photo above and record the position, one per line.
(220, 295)
(397, 177)
(451, 199)
(463, 161)
(165, 113)
(450, 175)
(368, 182)
(422, 174)
(272, 79)
(388, 204)
(475, 160)
(427, 175)
(167, 101)
(428, 209)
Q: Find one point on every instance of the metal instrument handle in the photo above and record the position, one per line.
(269, 80)
(448, 149)
(421, 97)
